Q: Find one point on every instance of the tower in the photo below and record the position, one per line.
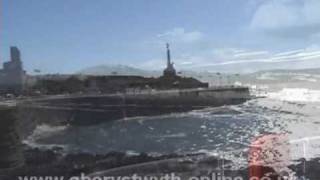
(15, 54)
(169, 71)
(15, 63)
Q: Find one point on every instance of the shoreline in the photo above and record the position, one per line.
(54, 163)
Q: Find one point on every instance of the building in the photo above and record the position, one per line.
(12, 75)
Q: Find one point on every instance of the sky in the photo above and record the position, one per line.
(65, 36)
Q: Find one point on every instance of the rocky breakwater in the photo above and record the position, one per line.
(10, 144)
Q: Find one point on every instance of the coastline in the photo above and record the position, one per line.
(54, 163)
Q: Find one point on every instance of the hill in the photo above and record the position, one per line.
(116, 70)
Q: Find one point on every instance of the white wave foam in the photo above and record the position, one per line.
(132, 153)
(267, 76)
(212, 112)
(303, 78)
(47, 129)
(177, 135)
(43, 131)
(31, 143)
(296, 95)
(155, 117)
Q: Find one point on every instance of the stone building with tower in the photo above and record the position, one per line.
(12, 76)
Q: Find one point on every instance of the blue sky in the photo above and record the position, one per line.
(214, 35)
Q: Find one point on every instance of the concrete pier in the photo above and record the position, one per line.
(10, 144)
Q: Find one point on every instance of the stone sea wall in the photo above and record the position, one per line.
(93, 109)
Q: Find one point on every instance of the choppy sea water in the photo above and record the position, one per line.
(226, 131)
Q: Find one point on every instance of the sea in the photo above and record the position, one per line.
(285, 105)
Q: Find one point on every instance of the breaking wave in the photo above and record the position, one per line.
(296, 95)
